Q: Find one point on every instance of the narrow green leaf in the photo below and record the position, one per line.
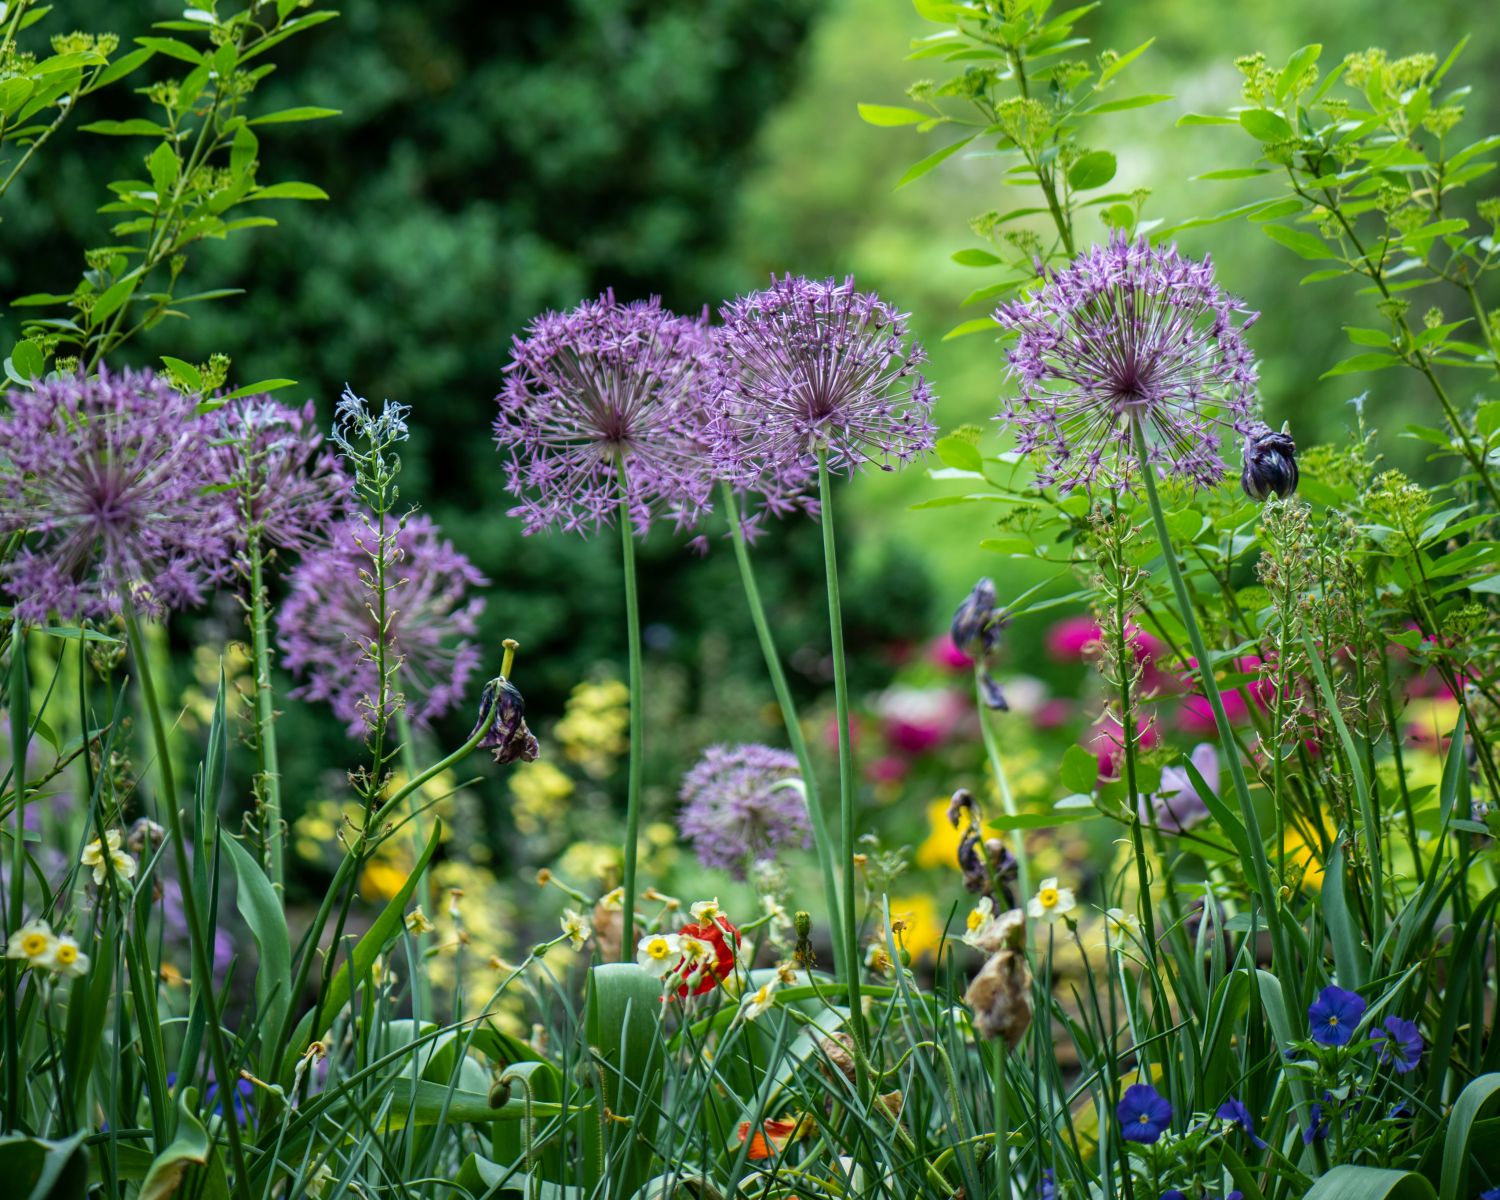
(1128, 102)
(922, 166)
(1305, 244)
(1361, 362)
(1124, 61)
(887, 114)
(305, 112)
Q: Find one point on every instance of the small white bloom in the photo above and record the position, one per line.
(706, 910)
(980, 923)
(1121, 925)
(774, 909)
(417, 922)
(317, 1183)
(66, 958)
(1051, 902)
(657, 953)
(34, 942)
(576, 926)
(695, 952)
(107, 856)
(613, 901)
(752, 1004)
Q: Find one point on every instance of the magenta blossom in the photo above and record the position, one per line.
(1106, 741)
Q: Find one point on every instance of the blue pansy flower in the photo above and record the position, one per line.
(1317, 1127)
(1235, 1112)
(1049, 1184)
(1401, 1044)
(1335, 1015)
(1144, 1114)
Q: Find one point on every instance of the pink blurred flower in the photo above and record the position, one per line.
(1196, 717)
(1069, 640)
(1105, 739)
(888, 768)
(942, 652)
(1052, 714)
(916, 720)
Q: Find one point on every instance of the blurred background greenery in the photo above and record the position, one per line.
(495, 160)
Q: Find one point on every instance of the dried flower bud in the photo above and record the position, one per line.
(144, 837)
(839, 1050)
(1000, 994)
(977, 624)
(1270, 463)
(802, 952)
(502, 715)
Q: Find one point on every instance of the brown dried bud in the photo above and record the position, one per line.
(839, 1050)
(1000, 994)
(502, 716)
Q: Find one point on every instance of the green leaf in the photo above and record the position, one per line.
(1234, 173)
(188, 1151)
(185, 371)
(886, 114)
(172, 48)
(1264, 125)
(163, 165)
(1475, 1102)
(624, 1033)
(1370, 1183)
(959, 453)
(1305, 244)
(1204, 119)
(968, 327)
(1124, 61)
(1068, 815)
(264, 385)
(1094, 169)
(37, 1169)
(113, 297)
(27, 361)
(288, 191)
(134, 126)
(922, 166)
(976, 258)
(1295, 67)
(1348, 953)
(122, 67)
(1361, 362)
(305, 112)
(257, 902)
(1080, 769)
(1128, 102)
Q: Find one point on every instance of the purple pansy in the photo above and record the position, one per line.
(1144, 1114)
(1400, 1044)
(1236, 1113)
(1128, 332)
(1335, 1015)
(740, 805)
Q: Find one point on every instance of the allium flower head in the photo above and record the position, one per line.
(741, 804)
(604, 385)
(326, 624)
(1144, 1114)
(280, 475)
(1335, 1015)
(1128, 332)
(806, 365)
(110, 480)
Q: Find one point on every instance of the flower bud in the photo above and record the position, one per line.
(1270, 463)
(977, 625)
(502, 715)
(1000, 994)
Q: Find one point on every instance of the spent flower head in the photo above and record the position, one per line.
(602, 408)
(1128, 333)
(109, 481)
(808, 366)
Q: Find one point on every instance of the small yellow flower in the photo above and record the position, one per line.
(107, 856)
(33, 942)
(753, 1004)
(657, 952)
(417, 922)
(706, 910)
(613, 901)
(1051, 902)
(878, 958)
(576, 926)
(66, 958)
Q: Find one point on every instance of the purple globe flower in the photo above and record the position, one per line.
(109, 479)
(740, 805)
(278, 474)
(1334, 1016)
(805, 365)
(1236, 1113)
(1144, 1114)
(1400, 1044)
(325, 625)
(604, 385)
(1178, 805)
(1125, 333)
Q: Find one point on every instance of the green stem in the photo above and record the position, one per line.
(203, 974)
(1002, 785)
(1002, 1123)
(1215, 703)
(822, 840)
(636, 765)
(846, 751)
(265, 725)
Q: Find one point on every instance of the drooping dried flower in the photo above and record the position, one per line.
(605, 390)
(326, 624)
(1270, 463)
(808, 365)
(109, 480)
(1128, 332)
(502, 714)
(741, 804)
(977, 628)
(1000, 995)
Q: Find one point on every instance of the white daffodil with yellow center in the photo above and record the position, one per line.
(980, 923)
(1121, 925)
(656, 953)
(32, 942)
(576, 926)
(67, 958)
(106, 856)
(752, 1004)
(695, 952)
(1051, 902)
(706, 911)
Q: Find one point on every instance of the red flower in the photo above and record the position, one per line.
(719, 933)
(770, 1139)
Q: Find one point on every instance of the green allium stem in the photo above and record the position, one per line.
(822, 840)
(846, 751)
(203, 975)
(1002, 785)
(1002, 1122)
(265, 724)
(636, 765)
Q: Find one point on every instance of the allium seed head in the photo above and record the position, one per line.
(1128, 332)
(588, 391)
(326, 624)
(805, 365)
(109, 479)
(740, 805)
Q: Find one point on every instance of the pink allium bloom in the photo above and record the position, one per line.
(1128, 332)
(325, 624)
(810, 364)
(588, 390)
(109, 479)
(1105, 740)
(740, 805)
(282, 473)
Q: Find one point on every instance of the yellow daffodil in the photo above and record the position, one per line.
(1051, 902)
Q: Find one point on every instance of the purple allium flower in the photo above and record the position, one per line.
(1335, 1015)
(1144, 1114)
(279, 474)
(326, 624)
(109, 479)
(1401, 1044)
(1125, 332)
(588, 390)
(739, 806)
(1178, 805)
(1236, 1113)
(807, 365)
(1269, 463)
